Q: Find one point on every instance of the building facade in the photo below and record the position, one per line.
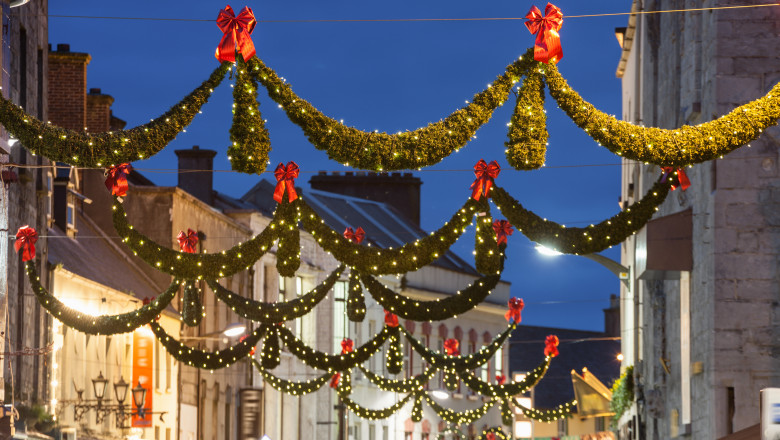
(700, 321)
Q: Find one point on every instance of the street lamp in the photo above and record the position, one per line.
(120, 390)
(440, 394)
(234, 329)
(620, 271)
(139, 399)
(99, 385)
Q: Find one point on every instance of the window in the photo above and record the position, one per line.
(168, 371)
(167, 433)
(563, 427)
(499, 360)
(340, 329)
(371, 431)
(385, 433)
(282, 289)
(485, 371)
(69, 214)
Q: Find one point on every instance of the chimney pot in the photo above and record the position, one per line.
(63, 47)
(94, 91)
(200, 181)
(322, 173)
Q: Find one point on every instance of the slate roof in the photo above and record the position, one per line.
(385, 227)
(577, 350)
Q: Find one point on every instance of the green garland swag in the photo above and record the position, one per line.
(463, 362)
(686, 145)
(417, 409)
(435, 310)
(395, 352)
(271, 355)
(383, 151)
(330, 362)
(408, 258)
(507, 390)
(581, 241)
(374, 414)
(506, 413)
(459, 417)
(497, 431)
(272, 313)
(99, 325)
(410, 385)
(450, 380)
(356, 301)
(290, 387)
(249, 139)
(528, 136)
(192, 306)
(194, 266)
(288, 251)
(488, 257)
(207, 360)
(111, 148)
(563, 410)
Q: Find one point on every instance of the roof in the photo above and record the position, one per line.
(385, 227)
(92, 255)
(578, 350)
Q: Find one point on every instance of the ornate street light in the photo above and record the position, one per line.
(139, 399)
(120, 390)
(99, 385)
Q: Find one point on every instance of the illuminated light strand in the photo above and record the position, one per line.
(488, 256)
(104, 324)
(288, 386)
(506, 390)
(274, 312)
(192, 310)
(288, 250)
(409, 385)
(527, 143)
(271, 355)
(462, 362)
(459, 417)
(563, 410)
(356, 301)
(249, 139)
(330, 362)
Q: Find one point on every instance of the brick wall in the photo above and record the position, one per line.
(68, 88)
(98, 111)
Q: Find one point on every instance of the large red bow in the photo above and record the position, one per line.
(116, 179)
(547, 46)
(502, 229)
(500, 379)
(334, 381)
(451, 347)
(355, 236)
(679, 178)
(285, 179)
(485, 174)
(391, 319)
(188, 241)
(236, 30)
(25, 240)
(551, 346)
(347, 346)
(515, 307)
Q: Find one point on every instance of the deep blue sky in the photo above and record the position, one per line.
(391, 77)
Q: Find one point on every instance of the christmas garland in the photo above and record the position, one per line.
(681, 146)
(208, 360)
(506, 390)
(288, 250)
(272, 313)
(459, 417)
(410, 385)
(192, 307)
(498, 434)
(395, 352)
(488, 257)
(271, 355)
(594, 238)
(250, 142)
(383, 151)
(290, 387)
(463, 362)
(563, 410)
(324, 361)
(527, 135)
(435, 310)
(408, 258)
(104, 324)
(114, 147)
(356, 301)
(194, 266)
(374, 414)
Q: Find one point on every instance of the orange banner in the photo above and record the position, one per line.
(143, 373)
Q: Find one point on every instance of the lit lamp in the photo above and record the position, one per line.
(139, 399)
(120, 390)
(99, 385)
(234, 329)
(440, 394)
(620, 271)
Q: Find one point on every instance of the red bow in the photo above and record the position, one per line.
(25, 239)
(334, 381)
(285, 176)
(187, 241)
(252, 351)
(451, 347)
(502, 229)
(551, 346)
(490, 436)
(679, 178)
(391, 319)
(236, 30)
(500, 379)
(116, 179)
(347, 346)
(485, 174)
(547, 46)
(515, 307)
(355, 236)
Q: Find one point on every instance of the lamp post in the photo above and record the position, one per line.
(102, 406)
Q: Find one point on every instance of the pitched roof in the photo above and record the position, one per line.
(578, 349)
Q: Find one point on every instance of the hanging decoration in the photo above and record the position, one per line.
(288, 251)
(458, 417)
(451, 347)
(502, 390)
(375, 414)
(395, 352)
(329, 362)
(285, 181)
(527, 144)
(676, 177)
(188, 241)
(116, 179)
(485, 178)
(250, 142)
(547, 47)
(515, 305)
(503, 229)
(290, 387)
(237, 31)
(274, 312)
(551, 346)
(207, 360)
(549, 415)
(271, 356)
(26, 237)
(462, 362)
(488, 257)
(391, 319)
(412, 384)
(356, 301)
(355, 236)
(192, 305)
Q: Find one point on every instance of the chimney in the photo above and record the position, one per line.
(98, 111)
(612, 317)
(67, 81)
(199, 184)
(401, 191)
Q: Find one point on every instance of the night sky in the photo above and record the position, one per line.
(389, 76)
